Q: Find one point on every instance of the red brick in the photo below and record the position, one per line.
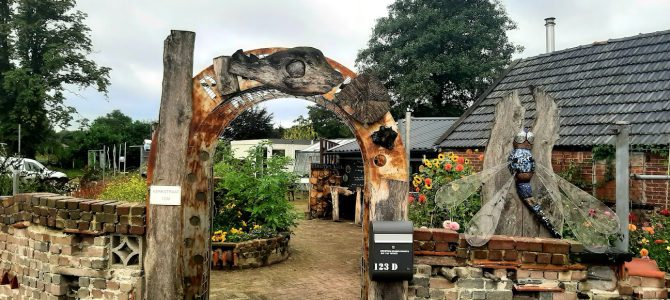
(528, 257)
(442, 247)
(123, 208)
(445, 235)
(528, 244)
(555, 246)
(423, 234)
(423, 245)
(564, 296)
(501, 243)
(138, 230)
(495, 255)
(543, 258)
(511, 255)
(559, 259)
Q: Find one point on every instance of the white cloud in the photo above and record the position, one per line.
(128, 36)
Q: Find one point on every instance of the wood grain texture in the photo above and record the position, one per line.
(164, 229)
(545, 128)
(365, 98)
(225, 82)
(298, 71)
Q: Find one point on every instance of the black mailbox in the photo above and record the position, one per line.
(391, 254)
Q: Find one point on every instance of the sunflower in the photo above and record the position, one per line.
(441, 156)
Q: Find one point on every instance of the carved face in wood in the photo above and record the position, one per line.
(301, 71)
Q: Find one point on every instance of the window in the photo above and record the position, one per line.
(280, 152)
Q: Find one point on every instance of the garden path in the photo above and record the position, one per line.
(324, 264)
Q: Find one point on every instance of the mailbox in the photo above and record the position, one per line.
(391, 254)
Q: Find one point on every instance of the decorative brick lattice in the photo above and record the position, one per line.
(126, 250)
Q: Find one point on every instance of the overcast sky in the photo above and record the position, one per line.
(128, 36)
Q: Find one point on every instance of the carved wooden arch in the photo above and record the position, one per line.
(217, 97)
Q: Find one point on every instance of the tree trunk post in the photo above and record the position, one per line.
(162, 262)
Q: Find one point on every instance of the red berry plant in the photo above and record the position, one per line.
(434, 173)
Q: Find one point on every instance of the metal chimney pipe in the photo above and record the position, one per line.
(549, 24)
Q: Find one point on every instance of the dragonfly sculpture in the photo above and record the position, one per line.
(555, 204)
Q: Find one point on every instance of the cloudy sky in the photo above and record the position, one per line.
(128, 37)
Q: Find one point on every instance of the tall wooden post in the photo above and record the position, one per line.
(622, 182)
(162, 262)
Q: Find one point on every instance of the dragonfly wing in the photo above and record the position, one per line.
(591, 221)
(457, 191)
(546, 194)
(484, 223)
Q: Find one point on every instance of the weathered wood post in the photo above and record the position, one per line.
(622, 182)
(162, 262)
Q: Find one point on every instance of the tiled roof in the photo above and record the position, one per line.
(423, 134)
(594, 86)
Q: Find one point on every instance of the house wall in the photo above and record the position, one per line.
(240, 149)
(595, 174)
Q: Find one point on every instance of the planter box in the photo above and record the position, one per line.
(250, 254)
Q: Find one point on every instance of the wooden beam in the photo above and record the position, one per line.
(162, 260)
(335, 192)
(623, 182)
(225, 82)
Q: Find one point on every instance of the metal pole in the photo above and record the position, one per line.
(19, 140)
(622, 183)
(408, 148)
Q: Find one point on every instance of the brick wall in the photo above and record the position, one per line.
(654, 192)
(446, 267)
(57, 247)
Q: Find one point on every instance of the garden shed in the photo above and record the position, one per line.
(595, 85)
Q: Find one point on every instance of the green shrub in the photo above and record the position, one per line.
(252, 192)
(131, 188)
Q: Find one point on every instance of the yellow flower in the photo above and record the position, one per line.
(467, 161)
(644, 241)
(244, 224)
(436, 163)
(218, 232)
(450, 154)
(476, 150)
(427, 163)
(429, 186)
(667, 248)
(441, 156)
(256, 226)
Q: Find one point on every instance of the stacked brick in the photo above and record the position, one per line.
(446, 267)
(58, 247)
(74, 215)
(250, 254)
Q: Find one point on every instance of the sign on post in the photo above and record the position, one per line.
(165, 195)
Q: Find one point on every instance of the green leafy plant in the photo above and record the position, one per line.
(252, 192)
(433, 174)
(131, 188)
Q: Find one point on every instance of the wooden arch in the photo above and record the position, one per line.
(194, 111)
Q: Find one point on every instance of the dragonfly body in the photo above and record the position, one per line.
(522, 166)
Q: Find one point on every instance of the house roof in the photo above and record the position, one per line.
(423, 134)
(594, 85)
(316, 146)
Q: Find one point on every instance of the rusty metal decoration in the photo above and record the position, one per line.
(242, 81)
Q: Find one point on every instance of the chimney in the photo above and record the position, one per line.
(549, 24)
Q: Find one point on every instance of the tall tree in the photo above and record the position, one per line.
(303, 130)
(114, 128)
(436, 56)
(327, 124)
(45, 45)
(254, 123)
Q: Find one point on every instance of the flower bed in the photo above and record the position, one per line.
(251, 253)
